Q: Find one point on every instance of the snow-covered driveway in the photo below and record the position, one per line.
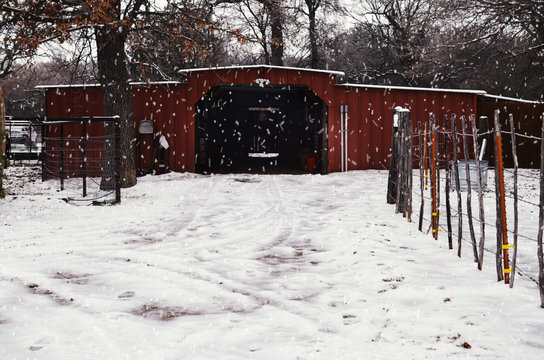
(248, 266)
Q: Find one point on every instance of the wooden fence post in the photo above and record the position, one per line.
(480, 192)
(499, 172)
(399, 185)
(394, 163)
(437, 174)
(410, 160)
(425, 167)
(448, 181)
(84, 150)
(400, 168)
(404, 177)
(457, 187)
(515, 158)
(469, 189)
(409, 165)
(540, 253)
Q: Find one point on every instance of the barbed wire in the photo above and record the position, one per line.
(469, 242)
(437, 137)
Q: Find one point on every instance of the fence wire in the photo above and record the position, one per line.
(83, 161)
(528, 182)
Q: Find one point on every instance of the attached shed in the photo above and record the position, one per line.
(527, 117)
(269, 119)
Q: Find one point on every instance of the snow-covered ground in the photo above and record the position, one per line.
(248, 267)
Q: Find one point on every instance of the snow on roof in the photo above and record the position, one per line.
(390, 87)
(241, 67)
(56, 86)
(506, 98)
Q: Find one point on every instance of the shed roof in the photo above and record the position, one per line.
(506, 98)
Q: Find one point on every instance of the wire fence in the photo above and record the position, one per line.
(439, 176)
(83, 156)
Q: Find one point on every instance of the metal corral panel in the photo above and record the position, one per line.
(370, 126)
(73, 102)
(164, 104)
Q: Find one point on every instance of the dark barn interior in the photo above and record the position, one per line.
(261, 129)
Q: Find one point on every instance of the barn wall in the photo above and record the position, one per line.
(171, 107)
(370, 125)
(164, 105)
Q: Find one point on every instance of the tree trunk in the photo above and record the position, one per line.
(3, 137)
(117, 98)
(276, 20)
(313, 41)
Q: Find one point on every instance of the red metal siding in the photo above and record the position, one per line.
(371, 120)
(171, 107)
(164, 104)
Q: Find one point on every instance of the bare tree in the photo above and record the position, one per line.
(434, 43)
(180, 36)
(109, 23)
(395, 35)
(521, 22)
(263, 17)
(316, 11)
(10, 51)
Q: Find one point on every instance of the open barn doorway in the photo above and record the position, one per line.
(261, 129)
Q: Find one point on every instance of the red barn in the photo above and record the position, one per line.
(269, 119)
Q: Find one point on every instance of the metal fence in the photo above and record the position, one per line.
(76, 149)
(24, 138)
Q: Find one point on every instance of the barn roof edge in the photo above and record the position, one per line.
(392, 87)
(506, 98)
(241, 67)
(56, 86)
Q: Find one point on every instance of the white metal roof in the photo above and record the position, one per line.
(390, 87)
(241, 67)
(506, 98)
(56, 86)
(339, 73)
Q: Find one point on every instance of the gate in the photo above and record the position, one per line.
(77, 154)
(24, 138)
